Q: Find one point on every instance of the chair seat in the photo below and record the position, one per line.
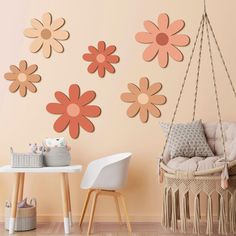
(195, 163)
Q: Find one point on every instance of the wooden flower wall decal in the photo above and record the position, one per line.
(144, 99)
(47, 35)
(163, 39)
(101, 58)
(74, 110)
(23, 78)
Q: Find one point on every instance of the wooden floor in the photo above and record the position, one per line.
(103, 229)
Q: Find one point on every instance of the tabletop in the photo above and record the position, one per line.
(59, 169)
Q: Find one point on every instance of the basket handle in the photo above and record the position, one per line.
(33, 202)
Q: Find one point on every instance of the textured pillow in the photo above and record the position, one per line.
(187, 140)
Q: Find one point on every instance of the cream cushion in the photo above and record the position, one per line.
(213, 136)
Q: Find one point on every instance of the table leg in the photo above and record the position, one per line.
(14, 203)
(65, 203)
(68, 199)
(21, 187)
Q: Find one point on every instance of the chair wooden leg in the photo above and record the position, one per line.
(118, 208)
(21, 187)
(126, 213)
(92, 211)
(68, 199)
(85, 206)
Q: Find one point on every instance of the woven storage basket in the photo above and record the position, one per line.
(57, 156)
(25, 217)
(24, 160)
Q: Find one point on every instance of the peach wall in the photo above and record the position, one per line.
(25, 120)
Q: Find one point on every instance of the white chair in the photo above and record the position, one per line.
(104, 177)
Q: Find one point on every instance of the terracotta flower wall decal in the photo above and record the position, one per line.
(101, 58)
(47, 35)
(144, 99)
(163, 39)
(74, 110)
(23, 78)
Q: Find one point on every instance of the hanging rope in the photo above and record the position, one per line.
(183, 84)
(198, 69)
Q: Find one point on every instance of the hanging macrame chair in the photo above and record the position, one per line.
(178, 183)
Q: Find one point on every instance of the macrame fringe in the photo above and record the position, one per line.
(183, 212)
(196, 215)
(174, 212)
(222, 216)
(232, 213)
(166, 208)
(209, 228)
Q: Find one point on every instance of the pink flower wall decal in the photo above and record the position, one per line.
(101, 58)
(144, 99)
(163, 39)
(74, 110)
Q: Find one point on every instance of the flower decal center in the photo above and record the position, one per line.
(100, 58)
(46, 34)
(162, 39)
(74, 110)
(144, 99)
(22, 77)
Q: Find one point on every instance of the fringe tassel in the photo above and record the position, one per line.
(231, 214)
(222, 221)
(166, 208)
(209, 229)
(169, 208)
(183, 211)
(174, 214)
(196, 215)
(163, 222)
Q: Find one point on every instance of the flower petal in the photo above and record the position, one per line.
(163, 22)
(31, 33)
(175, 53)
(74, 128)
(31, 69)
(133, 88)
(133, 109)
(36, 45)
(31, 87)
(110, 68)
(87, 97)
(92, 67)
(86, 124)
(61, 97)
(91, 111)
(23, 90)
(14, 69)
(144, 37)
(150, 52)
(154, 110)
(61, 34)
(47, 19)
(34, 78)
(22, 65)
(57, 46)
(144, 84)
(163, 58)
(56, 108)
(151, 27)
(74, 92)
(93, 50)
(57, 24)
(154, 88)
(110, 49)
(14, 86)
(113, 59)
(128, 97)
(101, 70)
(61, 123)
(158, 99)
(88, 57)
(101, 46)
(175, 27)
(180, 40)
(143, 113)
(36, 24)
(10, 76)
(47, 49)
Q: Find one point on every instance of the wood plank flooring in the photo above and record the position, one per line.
(103, 229)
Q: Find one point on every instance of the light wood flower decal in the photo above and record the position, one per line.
(23, 78)
(143, 99)
(47, 35)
